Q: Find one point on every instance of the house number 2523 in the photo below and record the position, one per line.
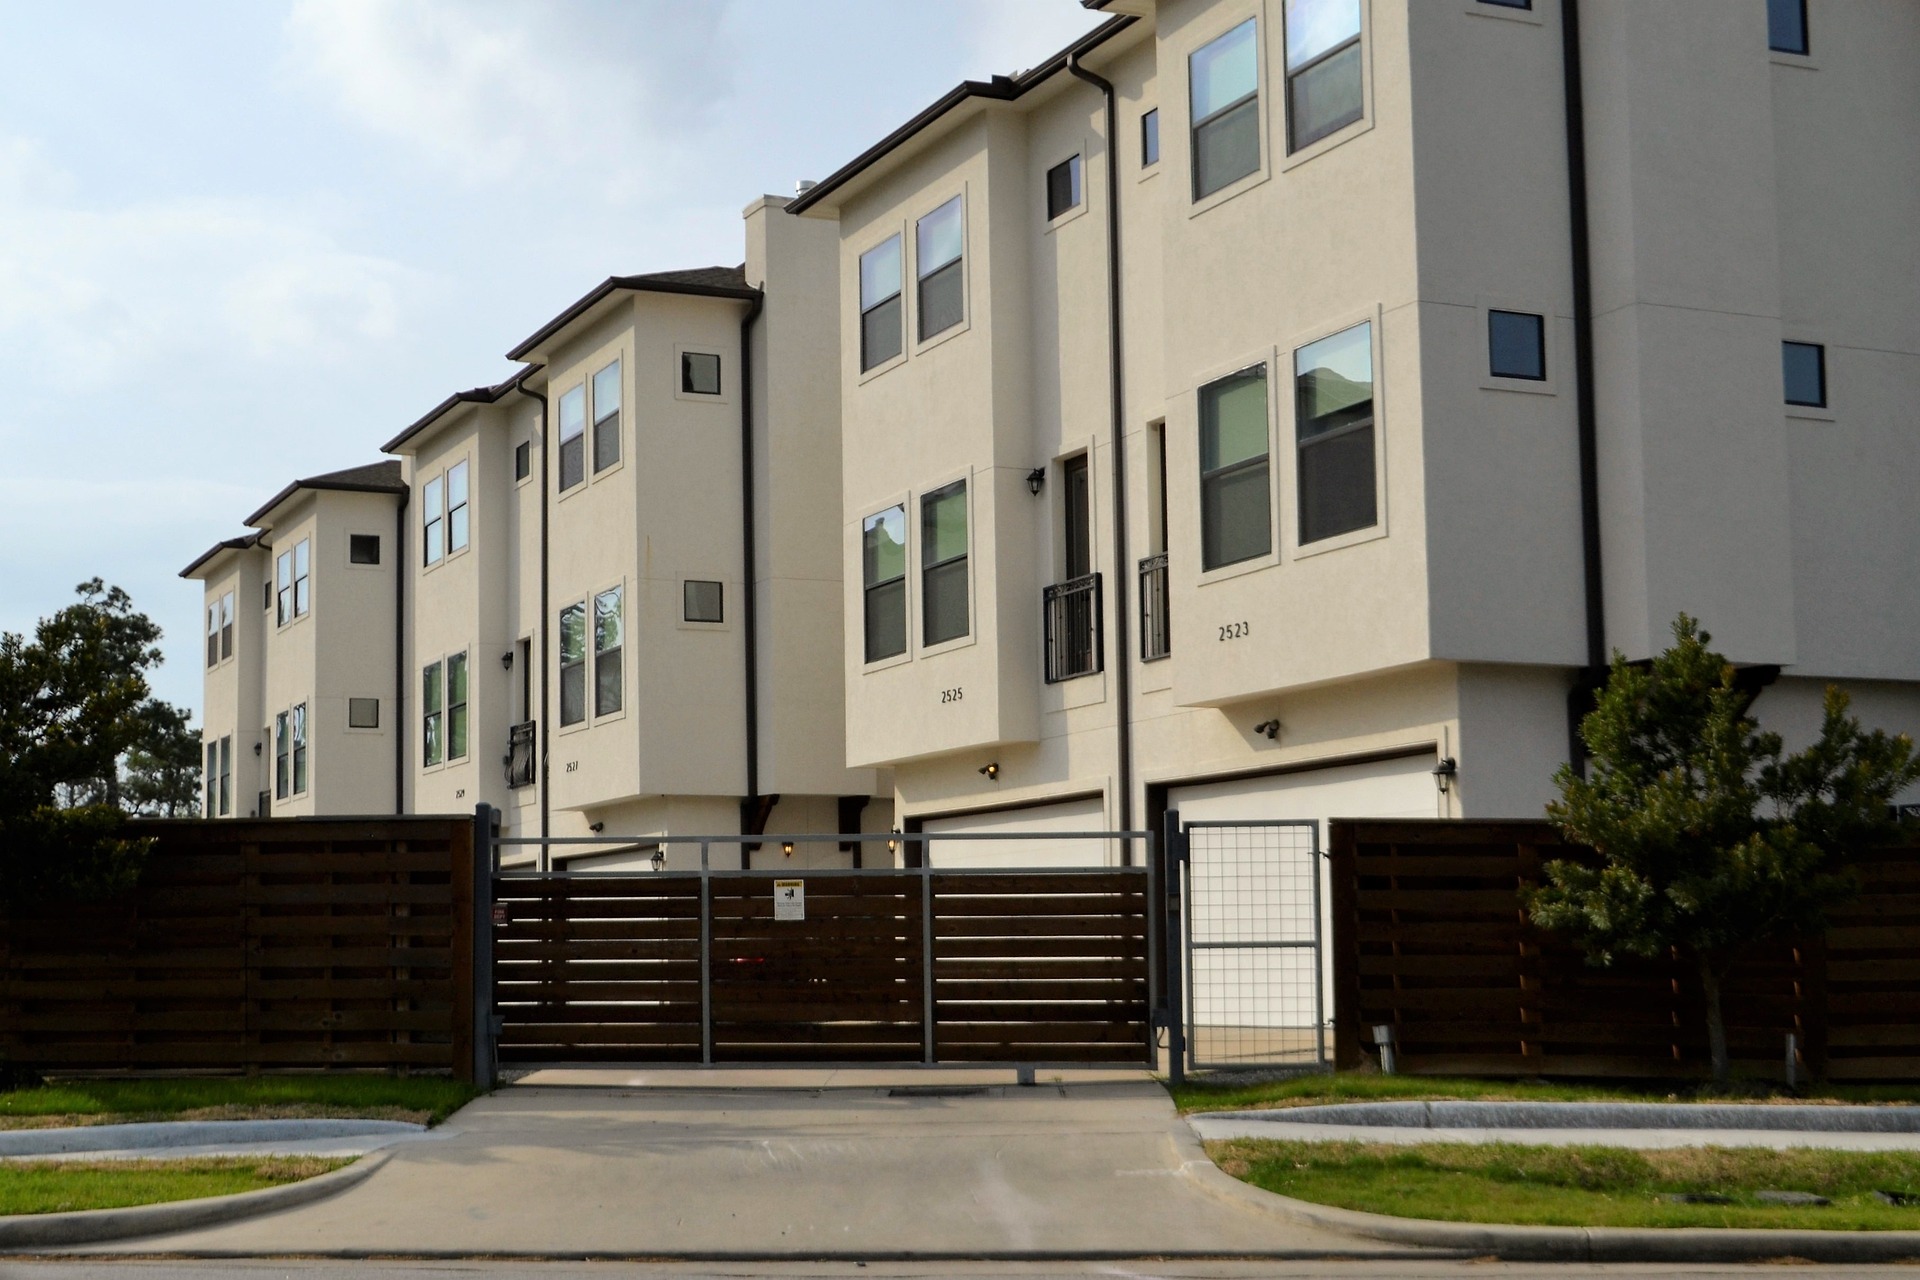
(1234, 631)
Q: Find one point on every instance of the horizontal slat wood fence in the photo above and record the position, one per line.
(279, 944)
(1429, 935)
(1024, 968)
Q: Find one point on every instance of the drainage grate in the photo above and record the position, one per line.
(938, 1091)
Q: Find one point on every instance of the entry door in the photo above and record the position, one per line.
(1078, 517)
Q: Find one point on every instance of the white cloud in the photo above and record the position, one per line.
(1013, 35)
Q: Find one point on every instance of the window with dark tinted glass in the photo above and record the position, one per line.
(606, 417)
(1803, 366)
(609, 641)
(699, 373)
(1787, 26)
(457, 706)
(433, 742)
(1224, 89)
(1333, 422)
(523, 460)
(939, 242)
(573, 438)
(1063, 187)
(883, 582)
(1150, 139)
(1323, 69)
(1509, 4)
(363, 713)
(573, 664)
(1516, 345)
(943, 564)
(363, 548)
(701, 601)
(880, 330)
(1236, 521)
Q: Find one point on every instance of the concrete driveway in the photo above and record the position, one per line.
(770, 1165)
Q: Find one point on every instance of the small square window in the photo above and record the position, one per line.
(1150, 139)
(1510, 4)
(1516, 345)
(1787, 26)
(702, 601)
(1063, 187)
(1803, 367)
(699, 373)
(523, 460)
(363, 713)
(363, 548)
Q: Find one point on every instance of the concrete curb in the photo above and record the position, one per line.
(1551, 1244)
(37, 1230)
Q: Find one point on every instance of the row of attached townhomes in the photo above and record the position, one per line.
(1263, 408)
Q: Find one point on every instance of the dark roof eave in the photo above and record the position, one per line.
(333, 486)
(999, 89)
(635, 284)
(225, 544)
(475, 395)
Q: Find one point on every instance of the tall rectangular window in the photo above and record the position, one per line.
(213, 633)
(300, 749)
(573, 438)
(302, 597)
(433, 746)
(1803, 368)
(943, 564)
(457, 706)
(457, 507)
(213, 777)
(1076, 517)
(883, 580)
(1063, 187)
(433, 519)
(939, 245)
(226, 626)
(283, 587)
(880, 334)
(1787, 26)
(609, 642)
(606, 417)
(282, 760)
(1323, 69)
(1150, 139)
(1333, 422)
(1236, 500)
(523, 460)
(573, 664)
(1223, 83)
(226, 777)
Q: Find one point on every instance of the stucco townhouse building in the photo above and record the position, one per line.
(1261, 409)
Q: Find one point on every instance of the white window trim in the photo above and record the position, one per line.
(916, 620)
(1262, 33)
(862, 376)
(356, 566)
(584, 368)
(294, 744)
(906, 500)
(1290, 530)
(593, 654)
(727, 373)
(1482, 9)
(1089, 447)
(910, 258)
(447, 465)
(297, 616)
(1346, 133)
(1556, 335)
(1084, 149)
(420, 717)
(628, 381)
(1269, 357)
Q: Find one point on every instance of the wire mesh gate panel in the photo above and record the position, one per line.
(1253, 945)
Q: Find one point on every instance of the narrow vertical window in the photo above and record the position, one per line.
(283, 582)
(880, 304)
(1517, 345)
(1333, 421)
(226, 626)
(432, 711)
(226, 777)
(573, 664)
(1323, 69)
(1236, 500)
(1150, 139)
(456, 507)
(939, 245)
(433, 518)
(523, 460)
(213, 633)
(1787, 26)
(943, 564)
(573, 438)
(302, 597)
(1803, 368)
(1223, 80)
(282, 745)
(1063, 187)
(609, 641)
(457, 707)
(300, 749)
(883, 577)
(213, 777)
(606, 417)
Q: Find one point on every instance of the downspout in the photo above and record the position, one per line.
(1122, 668)
(753, 813)
(400, 566)
(543, 727)
(1593, 678)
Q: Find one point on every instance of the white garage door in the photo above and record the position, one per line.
(1401, 788)
(1071, 815)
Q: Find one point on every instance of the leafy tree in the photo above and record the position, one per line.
(1710, 838)
(163, 767)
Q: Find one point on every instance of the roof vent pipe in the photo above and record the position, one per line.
(803, 186)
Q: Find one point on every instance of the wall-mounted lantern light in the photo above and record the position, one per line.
(1036, 480)
(506, 660)
(1445, 772)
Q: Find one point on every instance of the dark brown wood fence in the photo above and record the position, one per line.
(1429, 936)
(288, 943)
(1026, 967)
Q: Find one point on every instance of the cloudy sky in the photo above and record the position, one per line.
(244, 241)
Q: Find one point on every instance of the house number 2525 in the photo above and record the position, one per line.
(951, 695)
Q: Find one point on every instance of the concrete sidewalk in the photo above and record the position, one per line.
(801, 1165)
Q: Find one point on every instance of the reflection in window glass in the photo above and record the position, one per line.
(880, 276)
(1236, 521)
(1224, 84)
(432, 709)
(943, 561)
(1063, 187)
(883, 576)
(300, 749)
(1333, 422)
(699, 373)
(1150, 138)
(457, 507)
(573, 438)
(1323, 68)
(433, 516)
(938, 244)
(457, 707)
(573, 664)
(606, 417)
(609, 640)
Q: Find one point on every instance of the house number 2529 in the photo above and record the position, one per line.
(1234, 631)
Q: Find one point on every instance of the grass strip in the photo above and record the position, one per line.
(1307, 1090)
(64, 1186)
(1581, 1186)
(422, 1100)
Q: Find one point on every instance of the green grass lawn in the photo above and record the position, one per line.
(421, 1099)
(1581, 1186)
(61, 1186)
(1298, 1091)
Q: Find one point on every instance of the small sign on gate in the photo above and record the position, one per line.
(789, 899)
(499, 913)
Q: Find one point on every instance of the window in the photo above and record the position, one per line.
(213, 777)
(573, 664)
(457, 507)
(1323, 69)
(943, 564)
(701, 601)
(433, 519)
(606, 417)
(290, 575)
(699, 373)
(523, 460)
(213, 633)
(226, 626)
(363, 548)
(433, 748)
(363, 713)
(880, 304)
(939, 239)
(282, 743)
(1063, 187)
(300, 749)
(457, 706)
(1803, 366)
(573, 438)
(1787, 26)
(1333, 422)
(1150, 139)
(1236, 520)
(226, 777)
(1510, 4)
(609, 637)
(1517, 345)
(1223, 80)
(883, 578)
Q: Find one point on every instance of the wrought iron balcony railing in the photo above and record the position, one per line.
(520, 754)
(1156, 640)
(1073, 628)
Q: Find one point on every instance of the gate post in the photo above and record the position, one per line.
(1174, 847)
(926, 956)
(485, 1058)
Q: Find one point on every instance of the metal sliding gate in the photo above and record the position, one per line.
(923, 964)
(1248, 970)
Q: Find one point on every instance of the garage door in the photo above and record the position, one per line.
(1401, 788)
(1073, 815)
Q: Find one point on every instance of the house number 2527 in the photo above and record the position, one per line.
(1234, 631)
